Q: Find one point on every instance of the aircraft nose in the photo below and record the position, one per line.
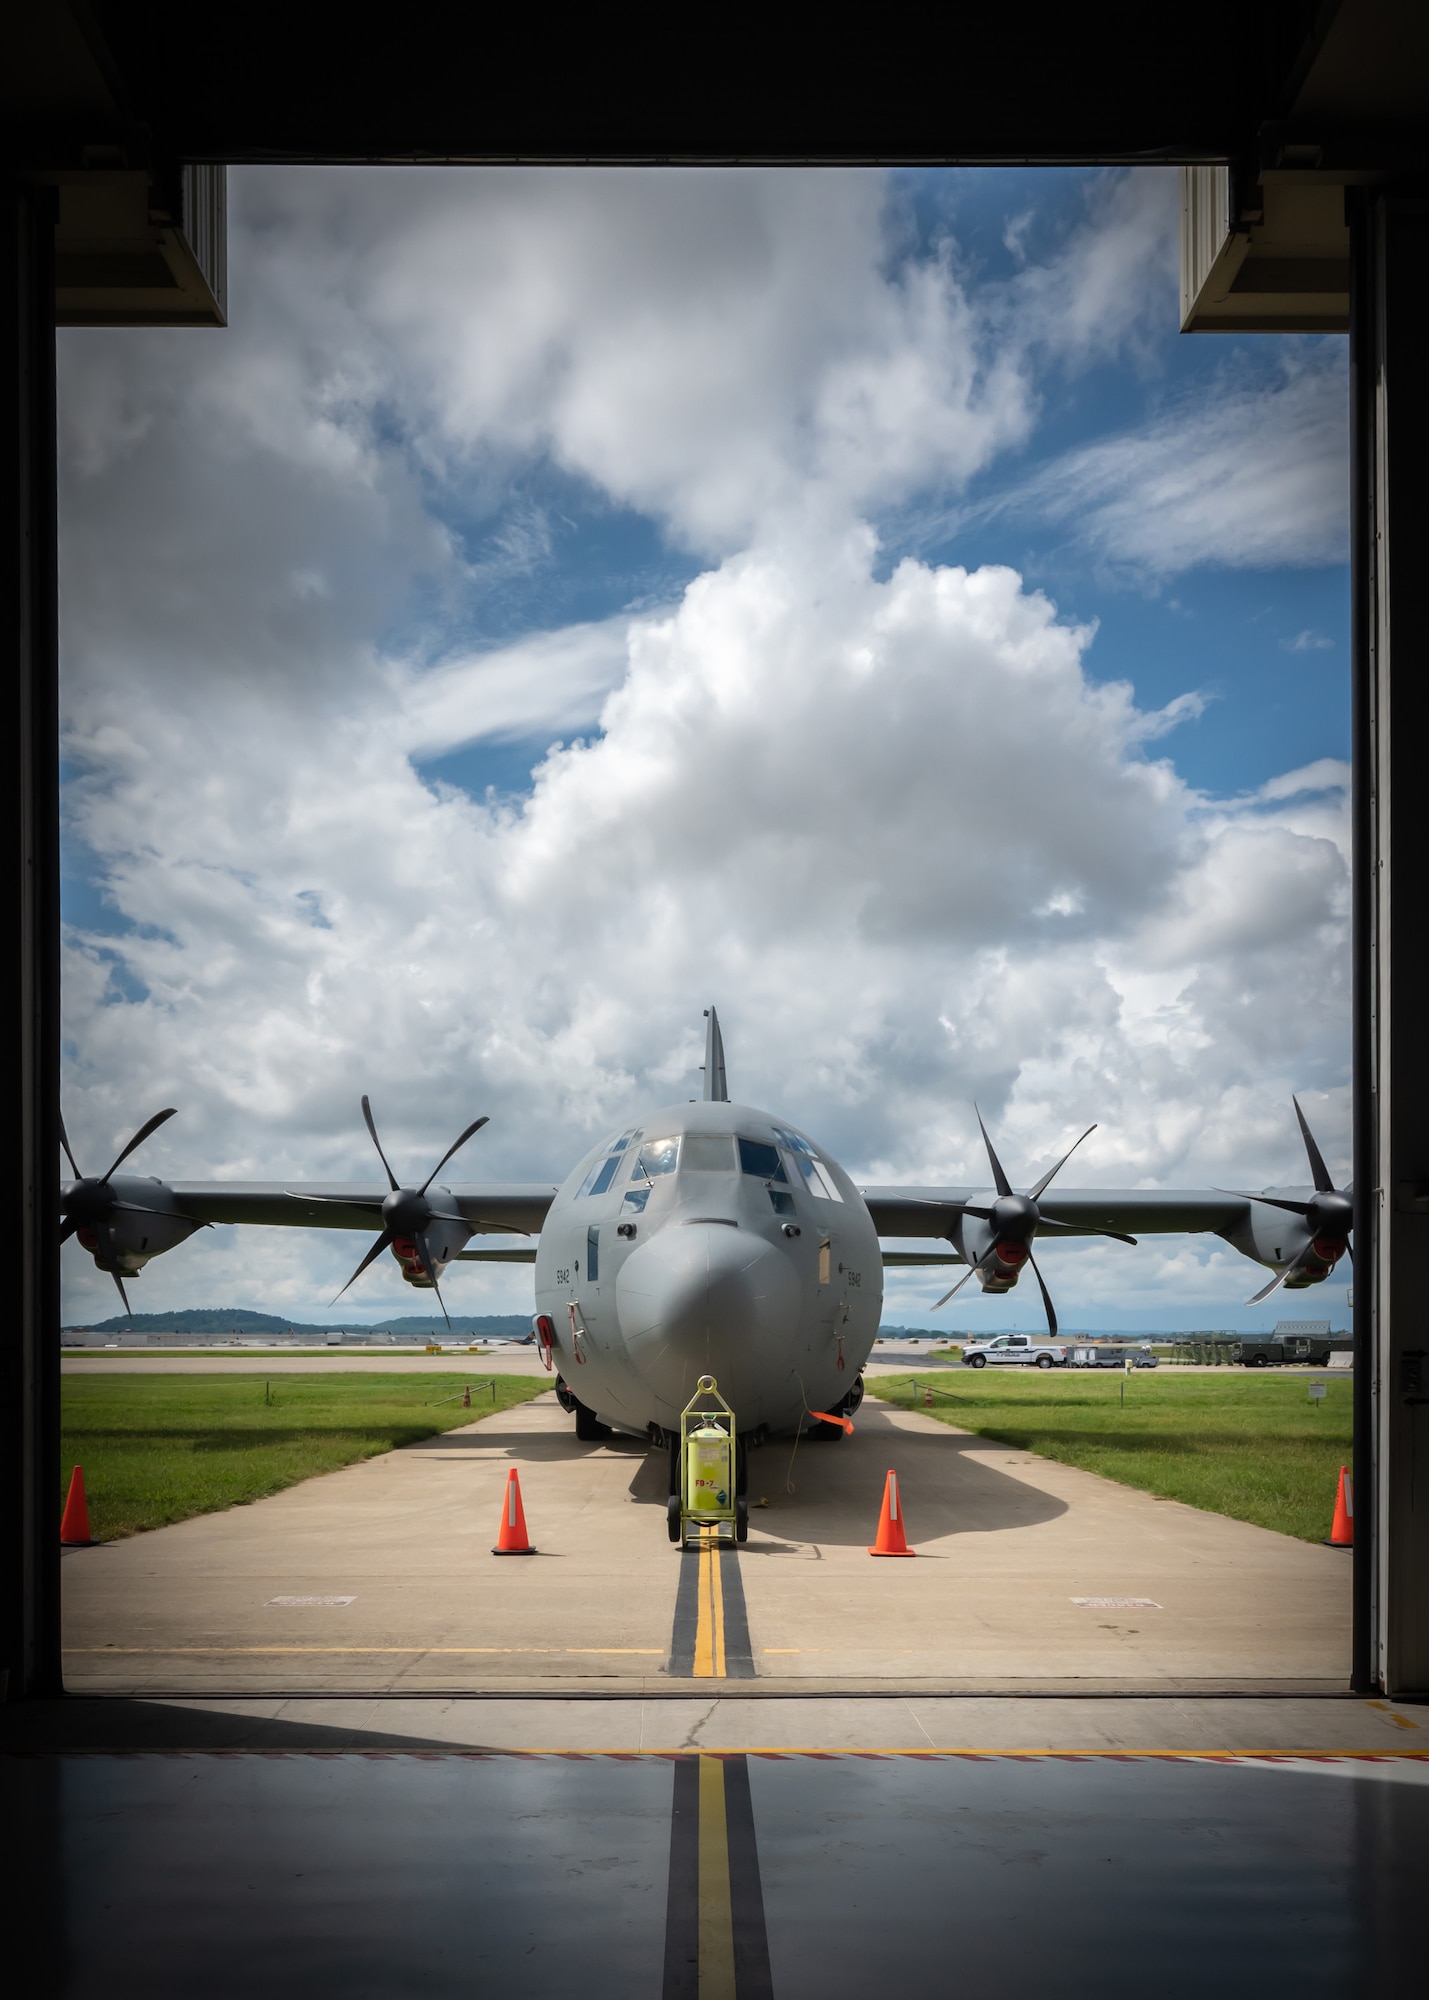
(706, 1299)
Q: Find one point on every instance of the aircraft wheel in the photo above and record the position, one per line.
(672, 1516)
(977, 1361)
(589, 1428)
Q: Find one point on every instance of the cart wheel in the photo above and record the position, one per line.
(672, 1516)
(741, 1518)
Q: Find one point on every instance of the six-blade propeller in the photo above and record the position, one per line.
(1329, 1215)
(407, 1214)
(88, 1206)
(1015, 1219)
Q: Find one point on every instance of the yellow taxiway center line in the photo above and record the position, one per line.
(709, 1621)
(716, 1918)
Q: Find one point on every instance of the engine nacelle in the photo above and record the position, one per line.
(143, 1220)
(1277, 1238)
(445, 1240)
(973, 1240)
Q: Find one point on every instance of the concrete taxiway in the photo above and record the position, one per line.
(1030, 1576)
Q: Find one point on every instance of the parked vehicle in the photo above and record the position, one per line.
(1016, 1350)
(1104, 1355)
(1312, 1348)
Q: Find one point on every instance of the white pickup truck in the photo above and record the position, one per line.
(1017, 1350)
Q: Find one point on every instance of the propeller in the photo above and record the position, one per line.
(91, 1202)
(406, 1212)
(1329, 1214)
(1015, 1219)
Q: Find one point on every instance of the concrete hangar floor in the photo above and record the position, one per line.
(784, 1771)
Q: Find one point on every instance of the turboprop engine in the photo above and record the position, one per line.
(122, 1223)
(420, 1225)
(1301, 1239)
(996, 1240)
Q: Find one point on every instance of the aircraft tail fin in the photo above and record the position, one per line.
(716, 1085)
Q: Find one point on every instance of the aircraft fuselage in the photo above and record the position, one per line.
(711, 1239)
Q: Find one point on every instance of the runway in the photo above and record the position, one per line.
(1030, 1576)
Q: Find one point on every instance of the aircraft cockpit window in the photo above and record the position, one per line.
(604, 1171)
(816, 1176)
(709, 1153)
(757, 1158)
(782, 1200)
(636, 1196)
(657, 1156)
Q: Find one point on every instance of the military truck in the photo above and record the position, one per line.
(1294, 1341)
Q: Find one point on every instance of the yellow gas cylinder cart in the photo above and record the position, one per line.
(707, 1471)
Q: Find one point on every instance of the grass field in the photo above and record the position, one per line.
(217, 1353)
(159, 1448)
(1255, 1448)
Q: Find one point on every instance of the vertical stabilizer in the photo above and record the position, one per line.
(716, 1088)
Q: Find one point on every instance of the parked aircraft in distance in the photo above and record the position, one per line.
(711, 1238)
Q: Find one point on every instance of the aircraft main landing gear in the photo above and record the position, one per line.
(589, 1428)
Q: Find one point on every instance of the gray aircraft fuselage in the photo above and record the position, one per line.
(712, 1239)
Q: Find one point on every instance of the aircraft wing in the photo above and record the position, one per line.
(932, 1211)
(490, 1209)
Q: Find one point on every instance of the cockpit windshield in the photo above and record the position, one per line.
(815, 1175)
(600, 1176)
(708, 1153)
(657, 1156)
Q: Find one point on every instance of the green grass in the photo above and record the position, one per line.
(216, 1353)
(160, 1448)
(1255, 1448)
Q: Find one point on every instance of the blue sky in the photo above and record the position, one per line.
(948, 660)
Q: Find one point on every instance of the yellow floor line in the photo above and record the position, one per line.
(407, 1652)
(716, 1920)
(709, 1620)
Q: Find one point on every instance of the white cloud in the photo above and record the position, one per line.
(550, 680)
(1108, 283)
(1252, 478)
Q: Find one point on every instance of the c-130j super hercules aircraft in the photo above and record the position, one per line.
(711, 1239)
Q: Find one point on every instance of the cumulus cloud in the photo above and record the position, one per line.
(885, 818)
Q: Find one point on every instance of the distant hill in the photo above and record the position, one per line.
(215, 1321)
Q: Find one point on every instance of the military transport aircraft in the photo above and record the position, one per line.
(710, 1239)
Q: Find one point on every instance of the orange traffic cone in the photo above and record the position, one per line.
(74, 1524)
(891, 1539)
(513, 1539)
(928, 1397)
(466, 1397)
(1342, 1535)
